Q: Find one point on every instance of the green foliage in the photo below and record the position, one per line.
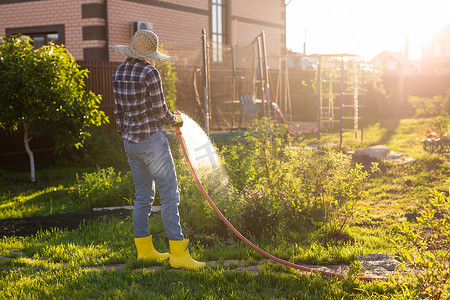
(296, 182)
(257, 212)
(441, 125)
(426, 107)
(104, 148)
(20, 198)
(437, 139)
(195, 213)
(425, 246)
(44, 90)
(83, 257)
(169, 78)
(197, 216)
(259, 157)
(355, 268)
(446, 104)
(104, 187)
(429, 170)
(325, 180)
(377, 102)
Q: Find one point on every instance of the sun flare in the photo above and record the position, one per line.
(364, 27)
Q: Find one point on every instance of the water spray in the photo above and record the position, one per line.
(238, 234)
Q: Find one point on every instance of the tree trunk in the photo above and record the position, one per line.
(26, 140)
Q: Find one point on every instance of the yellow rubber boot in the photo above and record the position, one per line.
(146, 250)
(180, 257)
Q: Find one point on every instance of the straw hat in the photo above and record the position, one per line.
(144, 45)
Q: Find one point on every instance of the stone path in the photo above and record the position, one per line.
(374, 265)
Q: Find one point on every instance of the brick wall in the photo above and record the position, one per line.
(170, 24)
(256, 15)
(173, 20)
(261, 10)
(51, 12)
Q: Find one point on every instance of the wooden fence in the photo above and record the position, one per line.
(12, 151)
(100, 82)
(14, 157)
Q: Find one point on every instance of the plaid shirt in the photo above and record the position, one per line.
(140, 107)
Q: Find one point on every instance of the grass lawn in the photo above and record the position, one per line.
(98, 260)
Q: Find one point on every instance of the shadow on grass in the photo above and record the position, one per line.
(391, 126)
(72, 220)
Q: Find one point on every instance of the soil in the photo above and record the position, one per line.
(31, 225)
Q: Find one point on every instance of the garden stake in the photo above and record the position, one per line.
(231, 227)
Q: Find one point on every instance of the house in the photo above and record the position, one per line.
(436, 53)
(88, 28)
(300, 61)
(427, 77)
(395, 63)
(388, 62)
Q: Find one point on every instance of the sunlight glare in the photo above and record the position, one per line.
(364, 27)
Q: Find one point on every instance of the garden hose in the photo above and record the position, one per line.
(244, 239)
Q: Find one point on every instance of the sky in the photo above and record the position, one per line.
(363, 27)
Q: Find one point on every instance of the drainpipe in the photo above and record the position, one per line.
(205, 79)
(106, 31)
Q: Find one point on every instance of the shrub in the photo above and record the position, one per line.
(377, 102)
(425, 246)
(325, 180)
(257, 211)
(104, 187)
(196, 214)
(259, 157)
(426, 107)
(441, 126)
(104, 149)
(298, 183)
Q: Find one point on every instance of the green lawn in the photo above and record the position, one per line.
(98, 260)
(404, 135)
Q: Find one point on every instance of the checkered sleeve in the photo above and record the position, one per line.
(118, 112)
(158, 101)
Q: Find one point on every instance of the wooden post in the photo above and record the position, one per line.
(266, 74)
(319, 100)
(205, 79)
(261, 77)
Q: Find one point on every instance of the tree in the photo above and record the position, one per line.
(43, 90)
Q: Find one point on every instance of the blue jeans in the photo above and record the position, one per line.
(151, 163)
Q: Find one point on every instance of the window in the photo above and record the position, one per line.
(218, 29)
(41, 35)
(41, 39)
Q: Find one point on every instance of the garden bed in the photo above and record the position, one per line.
(436, 146)
(31, 225)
